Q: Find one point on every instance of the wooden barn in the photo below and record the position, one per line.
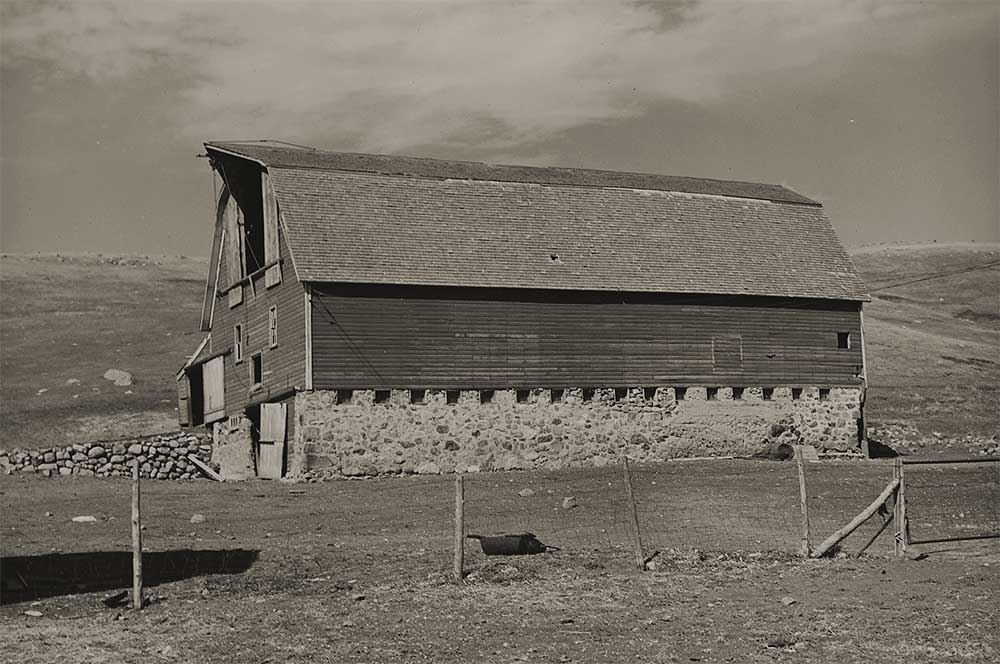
(371, 314)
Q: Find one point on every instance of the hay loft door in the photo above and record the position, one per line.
(271, 448)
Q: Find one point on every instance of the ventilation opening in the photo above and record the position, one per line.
(556, 395)
(649, 393)
(588, 394)
(382, 396)
(843, 340)
(417, 396)
(824, 394)
(767, 393)
(485, 396)
(344, 396)
(522, 395)
(680, 393)
(621, 393)
(796, 393)
(738, 393)
(451, 396)
(712, 393)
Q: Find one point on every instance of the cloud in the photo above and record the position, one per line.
(391, 76)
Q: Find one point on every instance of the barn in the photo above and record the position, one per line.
(371, 314)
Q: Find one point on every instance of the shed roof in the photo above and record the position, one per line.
(406, 220)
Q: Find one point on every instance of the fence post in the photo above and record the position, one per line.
(899, 513)
(136, 540)
(459, 527)
(640, 557)
(804, 546)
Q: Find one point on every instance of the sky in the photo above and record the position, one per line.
(886, 112)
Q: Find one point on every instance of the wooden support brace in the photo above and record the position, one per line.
(865, 514)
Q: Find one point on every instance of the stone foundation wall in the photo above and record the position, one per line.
(160, 457)
(358, 433)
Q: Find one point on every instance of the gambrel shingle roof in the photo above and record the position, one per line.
(405, 220)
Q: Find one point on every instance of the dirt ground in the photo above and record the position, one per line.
(358, 571)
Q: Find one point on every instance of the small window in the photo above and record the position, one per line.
(712, 393)
(649, 393)
(417, 396)
(522, 396)
(680, 393)
(556, 395)
(272, 327)
(237, 343)
(738, 393)
(345, 396)
(767, 393)
(451, 396)
(824, 394)
(621, 393)
(843, 340)
(256, 370)
(485, 396)
(382, 396)
(588, 394)
(796, 393)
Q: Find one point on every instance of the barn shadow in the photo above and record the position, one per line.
(54, 574)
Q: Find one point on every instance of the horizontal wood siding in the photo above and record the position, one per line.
(284, 366)
(411, 337)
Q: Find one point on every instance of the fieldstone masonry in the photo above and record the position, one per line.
(160, 457)
(359, 433)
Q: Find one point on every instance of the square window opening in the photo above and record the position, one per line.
(680, 393)
(712, 393)
(588, 393)
(796, 393)
(485, 396)
(767, 393)
(738, 393)
(621, 393)
(382, 396)
(451, 396)
(649, 393)
(556, 395)
(522, 395)
(344, 396)
(824, 394)
(417, 396)
(844, 340)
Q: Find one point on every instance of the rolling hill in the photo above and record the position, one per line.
(932, 332)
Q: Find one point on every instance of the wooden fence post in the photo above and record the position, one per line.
(899, 513)
(640, 556)
(459, 527)
(136, 540)
(803, 495)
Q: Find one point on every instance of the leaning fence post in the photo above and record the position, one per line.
(640, 557)
(136, 540)
(459, 527)
(804, 546)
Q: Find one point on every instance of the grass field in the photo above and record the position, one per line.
(359, 571)
(932, 346)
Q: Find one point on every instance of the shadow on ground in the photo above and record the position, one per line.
(49, 575)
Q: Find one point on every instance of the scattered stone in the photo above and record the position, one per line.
(358, 597)
(788, 601)
(73, 381)
(118, 377)
(198, 518)
(569, 502)
(84, 519)
(48, 514)
(525, 493)
(42, 391)
(32, 613)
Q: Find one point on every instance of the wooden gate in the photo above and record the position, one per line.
(271, 449)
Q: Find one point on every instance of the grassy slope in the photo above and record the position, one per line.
(933, 347)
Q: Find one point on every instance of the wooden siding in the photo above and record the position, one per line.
(284, 366)
(413, 337)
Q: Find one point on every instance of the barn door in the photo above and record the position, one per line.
(213, 384)
(271, 450)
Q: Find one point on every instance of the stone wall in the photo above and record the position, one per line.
(360, 433)
(160, 457)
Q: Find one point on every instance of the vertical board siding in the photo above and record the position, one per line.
(284, 366)
(399, 337)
